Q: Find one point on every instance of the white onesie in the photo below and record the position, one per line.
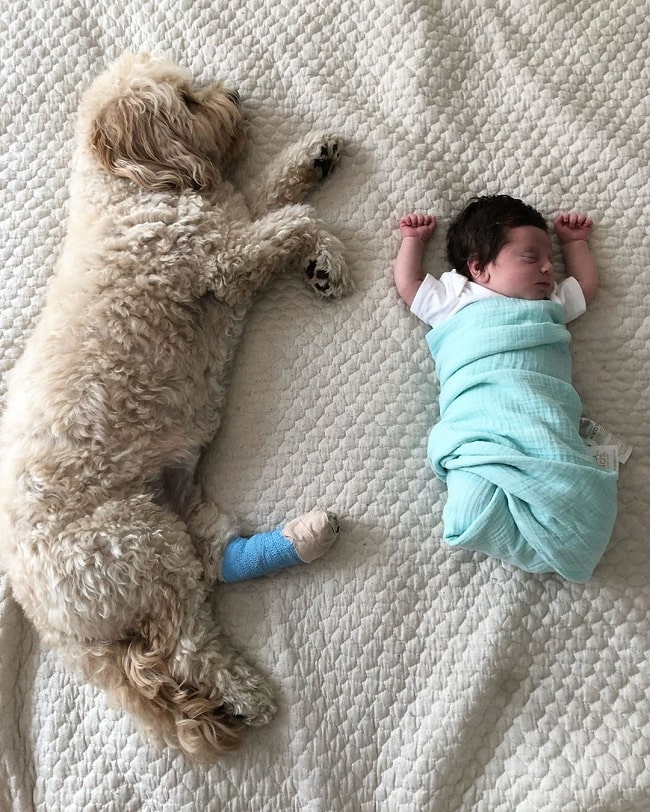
(437, 299)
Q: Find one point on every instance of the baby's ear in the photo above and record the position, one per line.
(474, 268)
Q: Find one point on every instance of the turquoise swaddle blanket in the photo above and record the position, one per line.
(522, 485)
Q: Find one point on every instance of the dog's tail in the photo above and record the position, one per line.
(135, 675)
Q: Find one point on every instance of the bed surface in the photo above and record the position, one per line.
(410, 676)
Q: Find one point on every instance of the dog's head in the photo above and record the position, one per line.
(146, 120)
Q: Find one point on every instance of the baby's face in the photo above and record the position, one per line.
(523, 268)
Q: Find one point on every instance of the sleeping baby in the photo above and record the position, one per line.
(522, 484)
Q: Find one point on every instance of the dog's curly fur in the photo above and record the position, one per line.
(109, 544)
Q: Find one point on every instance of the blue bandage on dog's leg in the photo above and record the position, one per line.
(258, 555)
(301, 541)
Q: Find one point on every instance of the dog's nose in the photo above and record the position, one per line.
(234, 96)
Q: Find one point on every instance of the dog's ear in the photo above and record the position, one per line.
(139, 137)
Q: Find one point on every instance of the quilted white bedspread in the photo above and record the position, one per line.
(410, 676)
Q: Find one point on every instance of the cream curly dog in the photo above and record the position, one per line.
(108, 542)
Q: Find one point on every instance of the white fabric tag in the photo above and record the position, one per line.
(606, 457)
(599, 437)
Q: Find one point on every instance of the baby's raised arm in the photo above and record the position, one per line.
(572, 231)
(416, 229)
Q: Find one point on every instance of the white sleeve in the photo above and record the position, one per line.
(569, 294)
(436, 299)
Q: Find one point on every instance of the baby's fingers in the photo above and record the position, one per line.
(417, 220)
(573, 220)
(579, 222)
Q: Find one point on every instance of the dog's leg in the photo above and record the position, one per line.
(229, 557)
(204, 658)
(146, 632)
(295, 172)
(211, 531)
(262, 248)
(302, 540)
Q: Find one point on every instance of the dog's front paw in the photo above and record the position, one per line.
(328, 156)
(317, 276)
(326, 273)
(298, 169)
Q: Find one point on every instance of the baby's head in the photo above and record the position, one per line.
(501, 243)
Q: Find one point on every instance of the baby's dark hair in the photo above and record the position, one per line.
(480, 230)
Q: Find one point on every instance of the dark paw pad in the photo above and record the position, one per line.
(329, 156)
(317, 277)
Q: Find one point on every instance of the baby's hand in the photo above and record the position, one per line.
(572, 227)
(421, 226)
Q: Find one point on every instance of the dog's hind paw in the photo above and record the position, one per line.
(312, 534)
(256, 708)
